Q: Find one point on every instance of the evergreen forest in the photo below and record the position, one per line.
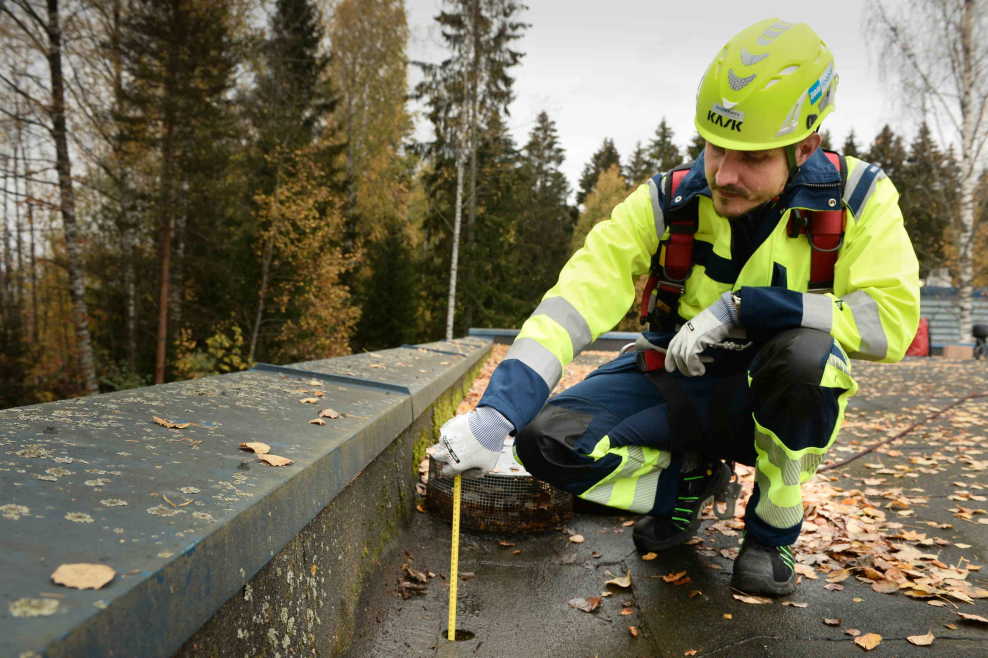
(193, 186)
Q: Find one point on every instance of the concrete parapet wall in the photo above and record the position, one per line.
(216, 553)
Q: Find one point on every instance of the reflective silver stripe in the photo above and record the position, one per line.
(564, 314)
(660, 224)
(874, 344)
(600, 495)
(854, 180)
(645, 489)
(772, 514)
(817, 312)
(538, 358)
(791, 469)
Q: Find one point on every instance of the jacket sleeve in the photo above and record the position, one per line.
(874, 309)
(594, 290)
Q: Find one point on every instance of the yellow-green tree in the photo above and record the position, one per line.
(609, 190)
(306, 311)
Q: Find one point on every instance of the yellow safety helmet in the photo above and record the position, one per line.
(771, 85)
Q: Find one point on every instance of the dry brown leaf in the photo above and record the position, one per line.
(807, 571)
(853, 632)
(170, 425)
(329, 413)
(868, 641)
(419, 507)
(921, 640)
(309, 400)
(794, 604)
(588, 604)
(689, 652)
(83, 575)
(256, 447)
(649, 556)
(753, 600)
(885, 587)
(577, 539)
(695, 592)
(969, 617)
(623, 582)
(838, 576)
(633, 630)
(506, 544)
(727, 615)
(275, 460)
(831, 621)
(627, 611)
(317, 421)
(673, 576)
(628, 523)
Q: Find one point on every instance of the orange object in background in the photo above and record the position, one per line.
(921, 343)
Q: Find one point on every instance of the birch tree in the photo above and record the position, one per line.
(938, 50)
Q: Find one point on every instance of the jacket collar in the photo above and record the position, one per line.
(816, 186)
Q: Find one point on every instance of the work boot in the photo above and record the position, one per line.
(767, 570)
(696, 488)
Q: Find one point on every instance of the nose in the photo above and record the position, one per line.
(728, 173)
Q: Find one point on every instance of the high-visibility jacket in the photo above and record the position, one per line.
(872, 312)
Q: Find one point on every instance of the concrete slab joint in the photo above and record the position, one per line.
(215, 552)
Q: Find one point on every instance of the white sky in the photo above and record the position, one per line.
(615, 68)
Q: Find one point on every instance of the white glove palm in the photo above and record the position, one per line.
(470, 444)
(708, 328)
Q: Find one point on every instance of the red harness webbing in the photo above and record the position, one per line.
(824, 230)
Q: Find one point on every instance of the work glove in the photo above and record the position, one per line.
(709, 328)
(469, 444)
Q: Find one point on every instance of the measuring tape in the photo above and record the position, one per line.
(454, 559)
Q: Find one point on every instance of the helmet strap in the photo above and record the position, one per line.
(790, 150)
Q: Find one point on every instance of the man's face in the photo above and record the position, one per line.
(742, 180)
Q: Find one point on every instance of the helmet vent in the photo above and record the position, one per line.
(737, 84)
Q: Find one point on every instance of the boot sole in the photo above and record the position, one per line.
(751, 584)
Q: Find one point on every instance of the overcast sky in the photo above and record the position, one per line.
(615, 68)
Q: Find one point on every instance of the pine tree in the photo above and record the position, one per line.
(662, 150)
(927, 196)
(850, 146)
(179, 57)
(640, 167)
(888, 152)
(546, 222)
(606, 157)
(696, 146)
(466, 95)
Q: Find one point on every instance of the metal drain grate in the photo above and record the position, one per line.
(506, 500)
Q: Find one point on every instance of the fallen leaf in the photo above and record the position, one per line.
(937, 603)
(969, 617)
(577, 539)
(627, 611)
(517, 551)
(275, 460)
(419, 507)
(695, 592)
(728, 615)
(753, 600)
(794, 604)
(838, 576)
(170, 425)
(649, 556)
(506, 544)
(256, 447)
(806, 570)
(329, 413)
(885, 587)
(689, 652)
(853, 632)
(623, 582)
(628, 523)
(673, 576)
(309, 400)
(830, 621)
(921, 640)
(317, 421)
(467, 575)
(868, 641)
(586, 605)
(633, 630)
(83, 575)
(414, 574)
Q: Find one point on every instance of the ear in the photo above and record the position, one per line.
(806, 147)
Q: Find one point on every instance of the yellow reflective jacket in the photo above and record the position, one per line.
(872, 312)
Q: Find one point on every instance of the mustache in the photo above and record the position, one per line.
(731, 189)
